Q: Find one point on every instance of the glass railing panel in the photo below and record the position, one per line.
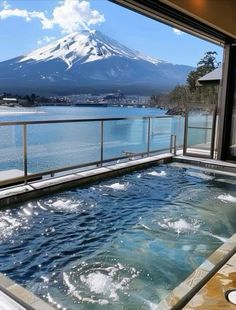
(232, 146)
(160, 134)
(199, 140)
(202, 120)
(124, 137)
(11, 155)
(200, 125)
(178, 130)
(54, 146)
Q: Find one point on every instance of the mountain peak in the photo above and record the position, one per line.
(83, 47)
(88, 61)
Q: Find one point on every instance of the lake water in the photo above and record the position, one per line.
(62, 112)
(52, 146)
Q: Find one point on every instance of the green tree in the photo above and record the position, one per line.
(154, 101)
(180, 94)
(207, 64)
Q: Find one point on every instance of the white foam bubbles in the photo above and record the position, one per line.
(145, 226)
(41, 206)
(222, 239)
(72, 288)
(157, 174)
(179, 226)
(98, 284)
(117, 186)
(26, 211)
(64, 204)
(227, 198)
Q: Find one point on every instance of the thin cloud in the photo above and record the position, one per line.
(8, 12)
(69, 16)
(5, 5)
(178, 32)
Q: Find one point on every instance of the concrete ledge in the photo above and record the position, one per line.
(207, 163)
(184, 292)
(200, 168)
(17, 194)
(18, 297)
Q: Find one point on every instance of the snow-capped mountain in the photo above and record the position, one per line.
(83, 47)
(88, 61)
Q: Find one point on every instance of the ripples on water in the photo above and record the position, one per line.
(121, 243)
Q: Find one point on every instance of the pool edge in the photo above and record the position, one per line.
(21, 296)
(186, 290)
(31, 190)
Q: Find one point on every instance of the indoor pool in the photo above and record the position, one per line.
(123, 243)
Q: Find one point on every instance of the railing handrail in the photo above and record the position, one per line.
(83, 120)
(30, 176)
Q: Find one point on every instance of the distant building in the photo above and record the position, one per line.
(212, 78)
(9, 101)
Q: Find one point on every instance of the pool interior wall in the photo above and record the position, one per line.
(123, 242)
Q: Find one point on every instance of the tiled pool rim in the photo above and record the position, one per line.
(22, 296)
(186, 290)
(179, 296)
(32, 190)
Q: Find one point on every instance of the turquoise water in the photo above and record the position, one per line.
(123, 243)
(55, 146)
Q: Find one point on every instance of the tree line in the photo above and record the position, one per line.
(191, 92)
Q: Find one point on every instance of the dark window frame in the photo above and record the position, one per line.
(170, 16)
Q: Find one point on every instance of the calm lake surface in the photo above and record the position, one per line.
(52, 146)
(57, 112)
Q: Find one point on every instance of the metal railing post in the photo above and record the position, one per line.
(175, 148)
(185, 130)
(102, 140)
(173, 144)
(25, 159)
(149, 131)
(213, 133)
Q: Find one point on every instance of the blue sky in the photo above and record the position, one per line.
(29, 24)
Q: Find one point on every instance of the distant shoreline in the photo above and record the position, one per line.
(103, 105)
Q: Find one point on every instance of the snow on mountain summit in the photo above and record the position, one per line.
(85, 46)
(87, 62)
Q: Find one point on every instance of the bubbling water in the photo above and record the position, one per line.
(120, 243)
(117, 186)
(227, 198)
(157, 174)
(99, 283)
